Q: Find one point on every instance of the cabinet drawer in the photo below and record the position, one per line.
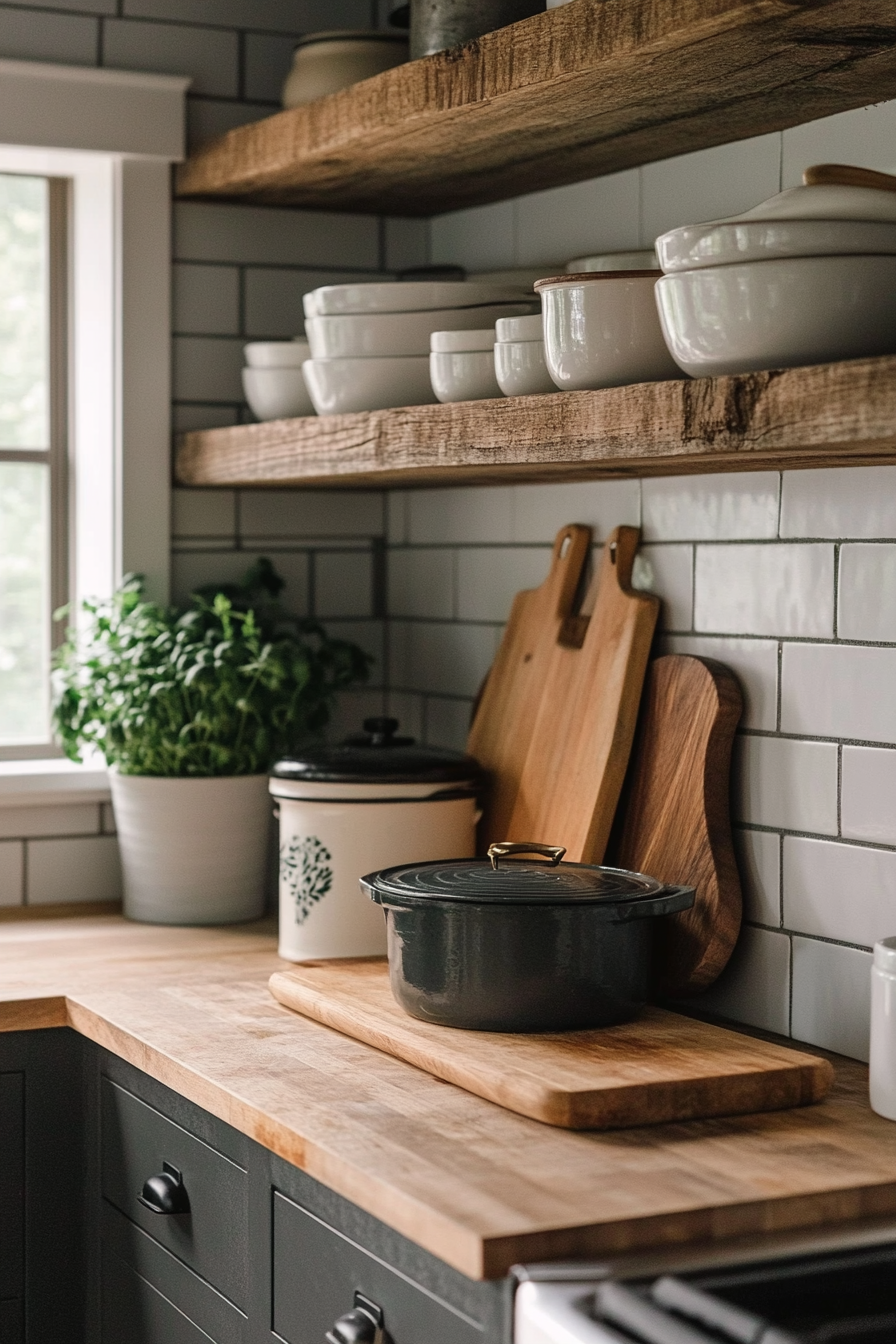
(317, 1271)
(12, 1186)
(134, 1312)
(211, 1237)
(12, 1322)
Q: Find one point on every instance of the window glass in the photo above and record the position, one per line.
(24, 313)
(24, 602)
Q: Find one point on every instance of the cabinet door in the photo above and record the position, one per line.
(318, 1270)
(12, 1187)
(134, 1312)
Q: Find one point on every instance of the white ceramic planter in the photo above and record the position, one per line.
(192, 850)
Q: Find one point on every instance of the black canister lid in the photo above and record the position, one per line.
(501, 879)
(379, 756)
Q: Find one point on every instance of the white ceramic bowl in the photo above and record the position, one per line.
(520, 368)
(462, 341)
(603, 330)
(326, 62)
(644, 259)
(779, 314)
(276, 394)
(519, 328)
(463, 375)
(358, 335)
(338, 386)
(408, 296)
(276, 354)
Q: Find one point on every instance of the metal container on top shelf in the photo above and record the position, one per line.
(438, 24)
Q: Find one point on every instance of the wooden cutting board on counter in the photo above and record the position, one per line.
(661, 1067)
(572, 681)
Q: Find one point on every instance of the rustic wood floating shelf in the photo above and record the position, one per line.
(590, 88)
(828, 415)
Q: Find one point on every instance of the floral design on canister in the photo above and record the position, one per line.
(305, 872)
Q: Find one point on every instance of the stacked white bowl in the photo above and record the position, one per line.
(519, 357)
(370, 343)
(462, 365)
(272, 379)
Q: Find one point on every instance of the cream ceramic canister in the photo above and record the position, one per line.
(882, 1071)
(375, 800)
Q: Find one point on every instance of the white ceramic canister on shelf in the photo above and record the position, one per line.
(372, 802)
(882, 1074)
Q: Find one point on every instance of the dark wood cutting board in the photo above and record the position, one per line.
(661, 1067)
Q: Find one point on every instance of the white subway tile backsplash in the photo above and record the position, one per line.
(831, 997)
(439, 658)
(271, 236)
(481, 239)
(12, 872)
(208, 368)
(65, 871)
(198, 415)
(711, 508)
(406, 243)
(755, 985)
(351, 709)
(397, 510)
(33, 35)
(753, 661)
(203, 513)
(206, 300)
(489, 578)
(209, 56)
(577, 221)
(866, 593)
(343, 583)
(846, 892)
(539, 511)
(837, 502)
(283, 16)
(368, 635)
(759, 865)
(864, 136)
(668, 571)
(765, 590)
(274, 298)
(208, 118)
(311, 514)
(421, 583)
(74, 819)
(268, 58)
(407, 708)
(194, 569)
(457, 517)
(786, 783)
(447, 722)
(868, 794)
(708, 184)
(839, 690)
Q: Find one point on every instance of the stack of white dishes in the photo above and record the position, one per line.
(643, 259)
(370, 342)
(272, 379)
(806, 277)
(462, 365)
(519, 357)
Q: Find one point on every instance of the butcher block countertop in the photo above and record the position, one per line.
(476, 1185)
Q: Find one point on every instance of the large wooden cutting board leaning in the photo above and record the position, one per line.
(662, 1067)
(566, 686)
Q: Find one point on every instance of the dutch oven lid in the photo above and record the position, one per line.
(379, 756)
(503, 879)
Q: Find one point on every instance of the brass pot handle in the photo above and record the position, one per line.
(504, 848)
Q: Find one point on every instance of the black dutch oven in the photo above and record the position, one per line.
(508, 945)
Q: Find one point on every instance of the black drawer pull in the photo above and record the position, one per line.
(165, 1192)
(362, 1325)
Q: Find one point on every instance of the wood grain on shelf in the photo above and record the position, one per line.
(826, 415)
(586, 89)
(661, 1067)
(477, 1186)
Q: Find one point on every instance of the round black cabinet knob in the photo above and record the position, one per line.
(165, 1192)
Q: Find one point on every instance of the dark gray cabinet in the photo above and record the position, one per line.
(259, 1253)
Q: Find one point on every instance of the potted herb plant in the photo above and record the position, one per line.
(190, 708)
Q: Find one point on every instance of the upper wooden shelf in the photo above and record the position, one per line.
(827, 415)
(590, 88)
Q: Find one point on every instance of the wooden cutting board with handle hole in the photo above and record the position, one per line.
(557, 717)
(661, 1067)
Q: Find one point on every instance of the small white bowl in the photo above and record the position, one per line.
(519, 328)
(463, 375)
(276, 354)
(603, 330)
(644, 259)
(520, 368)
(339, 386)
(779, 314)
(276, 394)
(366, 335)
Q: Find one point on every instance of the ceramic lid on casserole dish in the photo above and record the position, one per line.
(810, 221)
(407, 296)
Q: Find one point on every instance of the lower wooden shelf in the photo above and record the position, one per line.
(828, 415)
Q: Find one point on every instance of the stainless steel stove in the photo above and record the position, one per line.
(835, 1286)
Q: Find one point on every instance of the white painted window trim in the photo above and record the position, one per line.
(114, 135)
